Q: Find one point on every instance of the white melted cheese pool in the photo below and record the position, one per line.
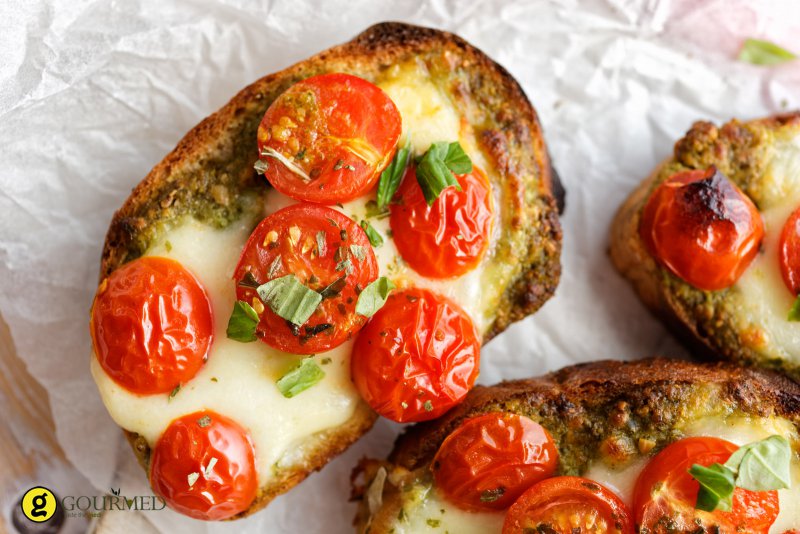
(432, 513)
(245, 373)
(764, 299)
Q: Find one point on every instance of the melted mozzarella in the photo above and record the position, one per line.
(432, 513)
(245, 373)
(762, 299)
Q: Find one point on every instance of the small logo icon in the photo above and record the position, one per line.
(39, 504)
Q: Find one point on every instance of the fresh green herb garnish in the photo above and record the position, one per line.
(493, 494)
(759, 466)
(438, 166)
(374, 211)
(760, 52)
(174, 391)
(204, 421)
(300, 378)
(794, 312)
(243, 322)
(374, 296)
(433, 523)
(289, 298)
(374, 237)
(392, 175)
(428, 406)
(334, 288)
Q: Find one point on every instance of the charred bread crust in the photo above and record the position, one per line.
(701, 319)
(609, 409)
(210, 176)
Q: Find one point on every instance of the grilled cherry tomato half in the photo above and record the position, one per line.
(666, 489)
(203, 465)
(417, 357)
(789, 253)
(449, 237)
(702, 228)
(490, 460)
(151, 325)
(327, 138)
(329, 253)
(563, 505)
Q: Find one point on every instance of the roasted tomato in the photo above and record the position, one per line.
(449, 237)
(151, 325)
(329, 253)
(203, 465)
(327, 138)
(417, 357)
(665, 493)
(564, 505)
(789, 253)
(490, 460)
(702, 228)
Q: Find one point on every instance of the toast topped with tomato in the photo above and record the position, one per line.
(711, 243)
(606, 447)
(338, 240)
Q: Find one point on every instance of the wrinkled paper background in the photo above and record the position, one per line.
(94, 93)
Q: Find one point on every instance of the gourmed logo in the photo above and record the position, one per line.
(39, 504)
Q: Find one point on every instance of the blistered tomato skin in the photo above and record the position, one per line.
(151, 325)
(564, 505)
(789, 253)
(320, 246)
(417, 357)
(338, 132)
(490, 460)
(203, 465)
(449, 237)
(702, 228)
(666, 489)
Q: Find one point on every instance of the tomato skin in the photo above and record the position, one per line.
(449, 237)
(151, 325)
(492, 451)
(187, 447)
(562, 505)
(789, 252)
(419, 350)
(667, 474)
(702, 228)
(327, 125)
(291, 233)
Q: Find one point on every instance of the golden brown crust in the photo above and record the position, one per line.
(601, 410)
(209, 175)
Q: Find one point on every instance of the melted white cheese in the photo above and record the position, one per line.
(738, 430)
(763, 300)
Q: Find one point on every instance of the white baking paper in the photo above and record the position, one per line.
(94, 93)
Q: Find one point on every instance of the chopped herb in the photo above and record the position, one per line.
(349, 167)
(301, 154)
(760, 52)
(299, 379)
(391, 177)
(325, 361)
(433, 523)
(333, 223)
(211, 463)
(204, 421)
(428, 406)
(437, 168)
(243, 322)
(345, 265)
(312, 331)
(261, 166)
(289, 298)
(214, 379)
(339, 164)
(373, 297)
(359, 252)
(275, 266)
(192, 478)
(168, 245)
(794, 313)
(492, 494)
(343, 235)
(322, 247)
(334, 288)
(374, 211)
(249, 281)
(374, 237)
(174, 392)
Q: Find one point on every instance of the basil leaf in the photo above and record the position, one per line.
(716, 487)
(794, 313)
(760, 52)
(243, 322)
(300, 378)
(374, 296)
(763, 466)
(289, 298)
(392, 175)
(374, 237)
(435, 169)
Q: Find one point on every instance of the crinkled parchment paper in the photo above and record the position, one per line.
(94, 93)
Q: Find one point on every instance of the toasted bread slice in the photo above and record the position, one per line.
(209, 179)
(606, 418)
(746, 322)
